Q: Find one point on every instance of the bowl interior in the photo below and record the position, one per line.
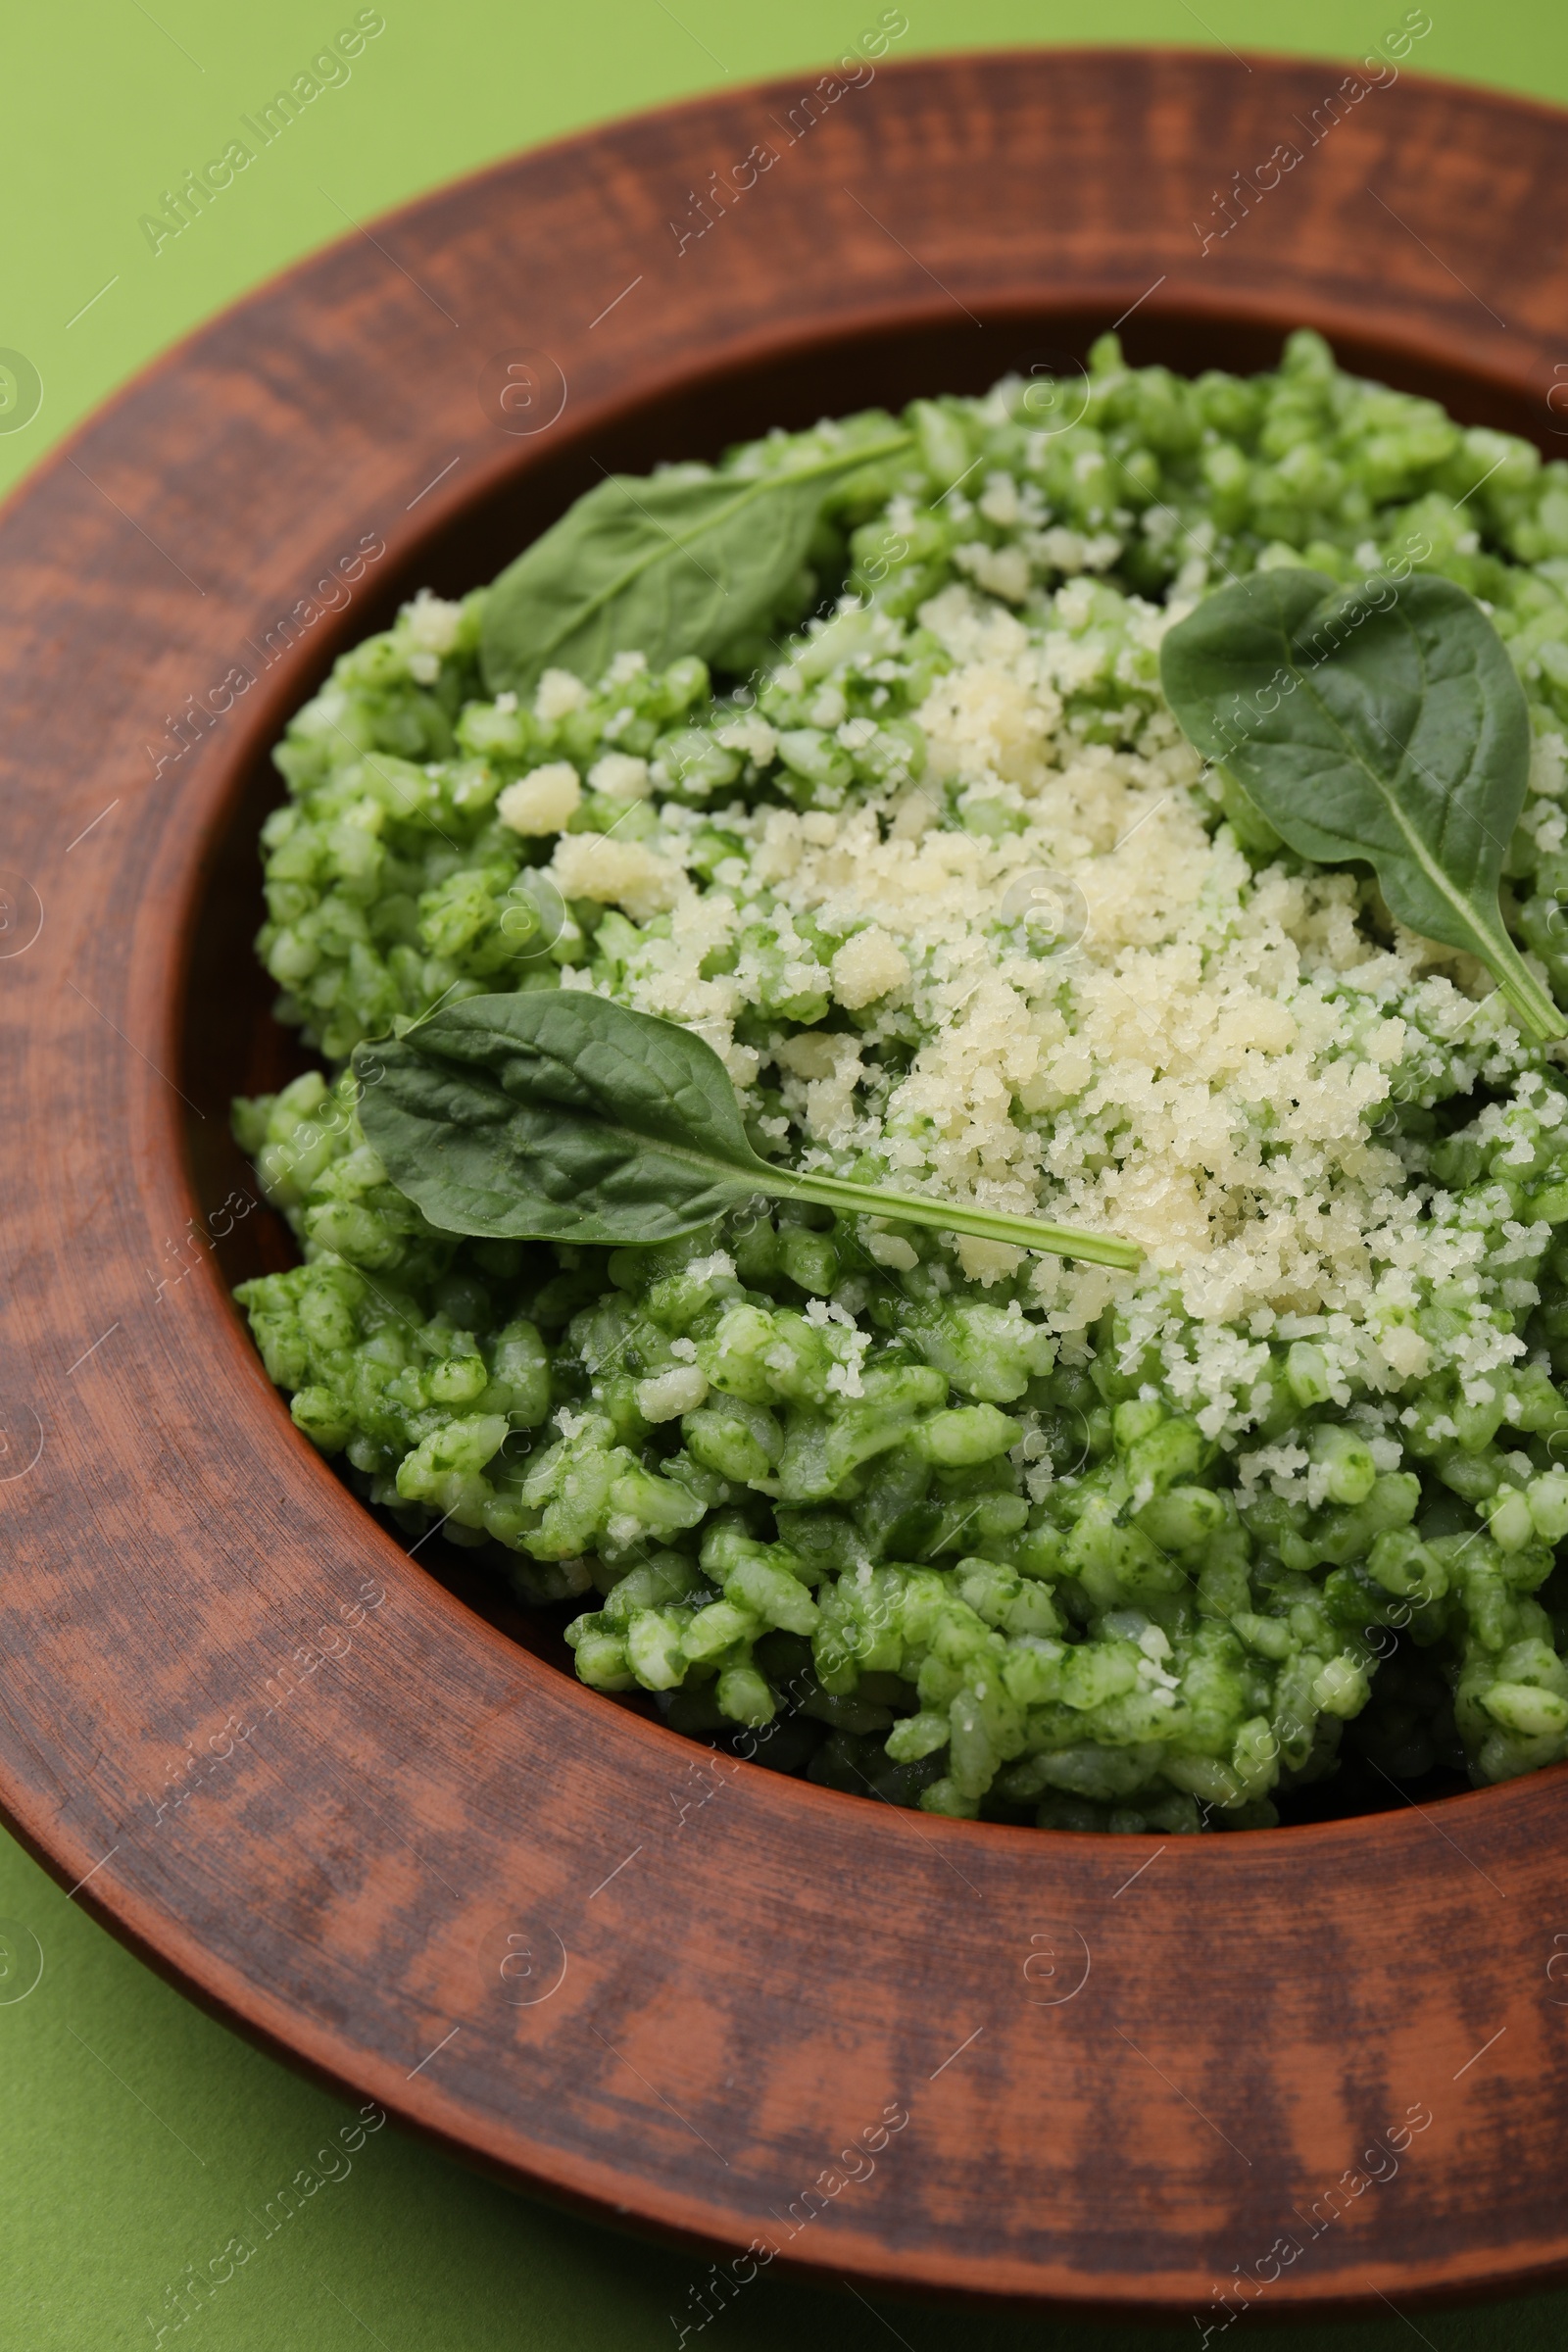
(230, 1041)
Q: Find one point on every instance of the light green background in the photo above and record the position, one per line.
(134, 2134)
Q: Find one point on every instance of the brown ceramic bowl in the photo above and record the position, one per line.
(300, 1773)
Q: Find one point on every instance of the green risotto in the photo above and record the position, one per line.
(927, 859)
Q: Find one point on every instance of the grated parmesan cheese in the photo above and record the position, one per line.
(614, 873)
(621, 776)
(558, 694)
(542, 801)
(1198, 1057)
(867, 966)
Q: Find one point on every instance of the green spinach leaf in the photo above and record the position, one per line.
(1382, 721)
(668, 564)
(558, 1116)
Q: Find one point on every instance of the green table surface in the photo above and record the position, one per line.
(136, 2136)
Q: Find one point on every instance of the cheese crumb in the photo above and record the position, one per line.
(429, 628)
(867, 966)
(1405, 1350)
(1002, 571)
(669, 1394)
(892, 1251)
(541, 802)
(559, 695)
(985, 1261)
(719, 1267)
(621, 777)
(1548, 762)
(616, 874)
(752, 736)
